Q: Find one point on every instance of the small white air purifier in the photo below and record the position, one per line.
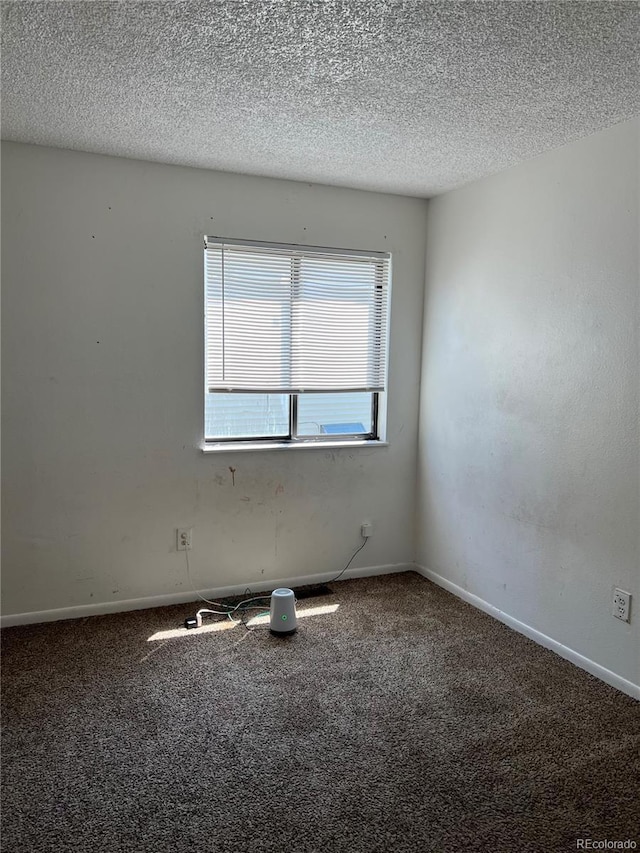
(283, 619)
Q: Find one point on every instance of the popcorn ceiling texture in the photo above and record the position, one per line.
(405, 97)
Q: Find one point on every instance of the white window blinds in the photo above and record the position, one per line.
(290, 319)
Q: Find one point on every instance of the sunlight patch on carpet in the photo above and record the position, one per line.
(226, 625)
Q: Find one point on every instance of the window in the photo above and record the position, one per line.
(295, 342)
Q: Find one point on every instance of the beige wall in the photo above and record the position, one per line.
(529, 438)
(102, 341)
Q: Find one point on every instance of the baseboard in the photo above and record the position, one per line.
(120, 606)
(565, 652)
(259, 585)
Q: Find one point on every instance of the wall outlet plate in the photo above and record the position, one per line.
(621, 605)
(184, 538)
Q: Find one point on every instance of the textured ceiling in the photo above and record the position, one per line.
(406, 97)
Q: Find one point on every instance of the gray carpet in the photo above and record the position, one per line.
(404, 721)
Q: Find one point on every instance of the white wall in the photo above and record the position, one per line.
(102, 344)
(529, 441)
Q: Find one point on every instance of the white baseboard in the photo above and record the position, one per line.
(185, 597)
(99, 609)
(565, 652)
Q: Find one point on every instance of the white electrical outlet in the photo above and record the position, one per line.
(184, 538)
(366, 529)
(621, 604)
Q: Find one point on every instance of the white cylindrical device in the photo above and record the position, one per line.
(283, 612)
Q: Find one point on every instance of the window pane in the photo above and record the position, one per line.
(246, 415)
(347, 413)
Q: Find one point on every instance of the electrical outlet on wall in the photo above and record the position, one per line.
(184, 538)
(621, 604)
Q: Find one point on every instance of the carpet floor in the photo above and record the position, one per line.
(402, 721)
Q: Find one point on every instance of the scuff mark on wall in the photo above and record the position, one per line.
(233, 474)
(279, 490)
(276, 532)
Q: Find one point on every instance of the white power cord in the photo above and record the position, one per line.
(246, 604)
(242, 605)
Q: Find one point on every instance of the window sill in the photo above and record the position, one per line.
(244, 446)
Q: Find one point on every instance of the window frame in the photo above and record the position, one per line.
(294, 438)
(378, 398)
